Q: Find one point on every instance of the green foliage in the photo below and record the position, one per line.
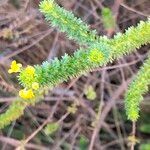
(51, 128)
(15, 110)
(17, 133)
(83, 143)
(145, 146)
(99, 51)
(145, 128)
(133, 38)
(107, 18)
(144, 122)
(56, 71)
(66, 21)
(137, 88)
(90, 93)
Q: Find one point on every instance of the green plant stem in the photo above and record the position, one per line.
(137, 89)
(15, 110)
(75, 28)
(132, 39)
(121, 45)
(82, 61)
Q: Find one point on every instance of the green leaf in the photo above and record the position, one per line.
(83, 143)
(108, 18)
(145, 128)
(90, 92)
(51, 128)
(145, 146)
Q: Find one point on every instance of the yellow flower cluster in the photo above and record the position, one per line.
(29, 94)
(25, 93)
(15, 67)
(30, 71)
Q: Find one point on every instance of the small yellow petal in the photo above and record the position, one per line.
(10, 71)
(26, 94)
(15, 67)
(20, 65)
(30, 94)
(22, 93)
(14, 62)
(35, 86)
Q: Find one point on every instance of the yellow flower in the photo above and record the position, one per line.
(26, 94)
(96, 55)
(35, 85)
(15, 67)
(30, 71)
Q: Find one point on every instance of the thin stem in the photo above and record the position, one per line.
(133, 134)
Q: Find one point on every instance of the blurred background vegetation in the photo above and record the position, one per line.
(91, 106)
